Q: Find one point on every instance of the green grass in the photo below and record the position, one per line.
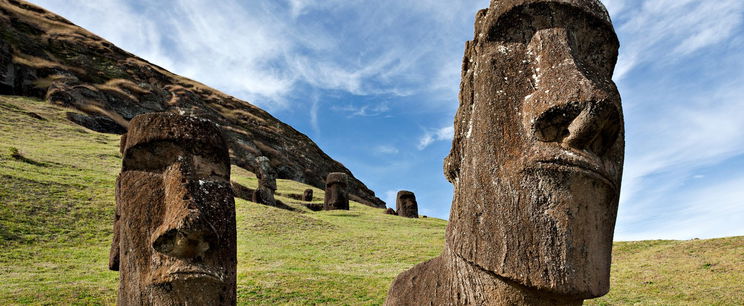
(56, 207)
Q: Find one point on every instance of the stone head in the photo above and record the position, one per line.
(406, 205)
(265, 173)
(174, 234)
(336, 196)
(538, 149)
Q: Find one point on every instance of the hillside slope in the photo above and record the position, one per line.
(56, 207)
(45, 56)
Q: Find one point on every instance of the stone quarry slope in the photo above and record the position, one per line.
(45, 56)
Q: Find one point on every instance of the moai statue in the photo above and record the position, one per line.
(174, 232)
(336, 195)
(390, 211)
(406, 204)
(307, 196)
(536, 162)
(264, 193)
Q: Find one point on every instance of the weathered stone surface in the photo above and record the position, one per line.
(174, 232)
(390, 211)
(307, 195)
(336, 196)
(405, 204)
(45, 56)
(536, 162)
(266, 175)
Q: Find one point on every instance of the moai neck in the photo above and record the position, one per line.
(473, 285)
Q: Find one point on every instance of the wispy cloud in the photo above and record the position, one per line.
(386, 149)
(674, 28)
(367, 110)
(429, 137)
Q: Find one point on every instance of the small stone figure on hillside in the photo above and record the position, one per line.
(336, 195)
(174, 232)
(406, 204)
(390, 211)
(536, 162)
(266, 175)
(307, 196)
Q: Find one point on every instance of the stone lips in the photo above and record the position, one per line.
(44, 55)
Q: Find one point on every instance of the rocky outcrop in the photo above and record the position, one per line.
(45, 56)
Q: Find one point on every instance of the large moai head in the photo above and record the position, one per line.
(336, 194)
(174, 234)
(537, 156)
(405, 204)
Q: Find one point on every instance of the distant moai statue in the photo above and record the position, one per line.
(405, 204)
(174, 232)
(264, 193)
(390, 211)
(536, 162)
(307, 196)
(336, 194)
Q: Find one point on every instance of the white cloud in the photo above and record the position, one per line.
(368, 110)
(675, 28)
(429, 137)
(386, 149)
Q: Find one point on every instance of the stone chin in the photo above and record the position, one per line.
(574, 208)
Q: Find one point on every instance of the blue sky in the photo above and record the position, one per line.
(374, 84)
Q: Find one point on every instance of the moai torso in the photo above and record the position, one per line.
(336, 194)
(405, 204)
(174, 232)
(536, 162)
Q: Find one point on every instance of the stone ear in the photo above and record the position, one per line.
(122, 143)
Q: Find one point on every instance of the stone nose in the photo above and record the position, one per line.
(183, 233)
(568, 107)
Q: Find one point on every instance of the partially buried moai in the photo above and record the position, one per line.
(307, 195)
(405, 204)
(536, 162)
(264, 193)
(336, 195)
(174, 232)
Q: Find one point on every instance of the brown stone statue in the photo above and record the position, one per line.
(405, 204)
(264, 193)
(174, 232)
(390, 211)
(307, 196)
(336, 195)
(536, 162)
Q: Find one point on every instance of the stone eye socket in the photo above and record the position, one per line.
(152, 157)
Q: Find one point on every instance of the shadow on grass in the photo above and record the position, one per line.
(15, 154)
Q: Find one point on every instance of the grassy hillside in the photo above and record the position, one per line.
(56, 205)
